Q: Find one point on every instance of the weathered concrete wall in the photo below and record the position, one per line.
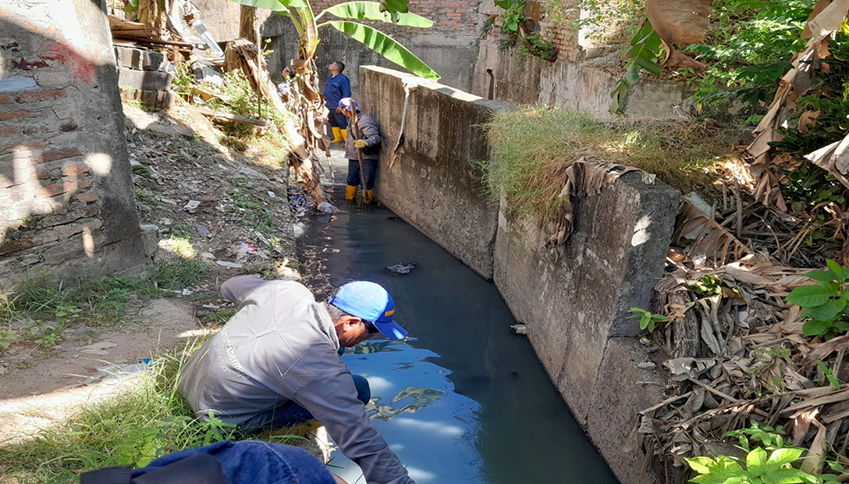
(508, 76)
(66, 196)
(575, 308)
(435, 182)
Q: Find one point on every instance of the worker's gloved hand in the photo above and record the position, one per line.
(360, 143)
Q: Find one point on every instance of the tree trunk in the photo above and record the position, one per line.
(247, 21)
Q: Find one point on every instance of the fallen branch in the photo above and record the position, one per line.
(233, 118)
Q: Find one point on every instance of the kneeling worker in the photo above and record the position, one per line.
(366, 140)
(276, 363)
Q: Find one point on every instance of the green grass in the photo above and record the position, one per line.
(533, 144)
(42, 307)
(258, 214)
(133, 428)
(140, 424)
(220, 316)
(179, 273)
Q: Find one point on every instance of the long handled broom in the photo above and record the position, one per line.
(365, 203)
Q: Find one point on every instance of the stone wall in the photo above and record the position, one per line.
(66, 196)
(575, 307)
(434, 182)
(507, 76)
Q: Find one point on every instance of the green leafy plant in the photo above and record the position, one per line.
(829, 374)
(534, 45)
(761, 468)
(825, 302)
(184, 80)
(648, 320)
(708, 285)
(7, 337)
(512, 16)
(748, 47)
(770, 462)
(646, 49)
(770, 438)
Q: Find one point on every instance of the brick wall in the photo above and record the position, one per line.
(66, 197)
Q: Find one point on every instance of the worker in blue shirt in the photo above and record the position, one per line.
(337, 87)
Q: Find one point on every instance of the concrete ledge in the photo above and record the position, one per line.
(435, 184)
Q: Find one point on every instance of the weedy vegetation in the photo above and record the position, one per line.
(533, 143)
(135, 427)
(648, 320)
(770, 461)
(43, 306)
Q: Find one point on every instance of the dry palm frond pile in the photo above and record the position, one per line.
(736, 349)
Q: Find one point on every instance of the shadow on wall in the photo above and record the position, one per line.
(66, 198)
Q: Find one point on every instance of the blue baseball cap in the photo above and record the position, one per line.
(371, 302)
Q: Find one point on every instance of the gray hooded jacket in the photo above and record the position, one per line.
(368, 131)
(282, 345)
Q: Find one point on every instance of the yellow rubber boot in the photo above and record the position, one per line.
(337, 135)
(351, 192)
(369, 196)
(344, 133)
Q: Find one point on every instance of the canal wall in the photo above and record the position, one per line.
(575, 307)
(434, 182)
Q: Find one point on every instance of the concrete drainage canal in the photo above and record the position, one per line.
(463, 400)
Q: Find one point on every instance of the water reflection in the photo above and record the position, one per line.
(422, 397)
(465, 400)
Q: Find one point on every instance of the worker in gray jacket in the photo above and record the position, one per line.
(366, 140)
(277, 362)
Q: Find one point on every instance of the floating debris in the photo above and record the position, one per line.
(401, 269)
(519, 328)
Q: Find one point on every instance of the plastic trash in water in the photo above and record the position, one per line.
(401, 269)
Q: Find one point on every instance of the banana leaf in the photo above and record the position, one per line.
(644, 52)
(399, 6)
(385, 46)
(372, 11)
(281, 6)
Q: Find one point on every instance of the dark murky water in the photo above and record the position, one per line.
(464, 400)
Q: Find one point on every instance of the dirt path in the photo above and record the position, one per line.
(78, 373)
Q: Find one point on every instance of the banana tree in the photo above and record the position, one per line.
(305, 99)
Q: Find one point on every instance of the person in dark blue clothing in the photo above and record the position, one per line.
(336, 88)
(225, 462)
